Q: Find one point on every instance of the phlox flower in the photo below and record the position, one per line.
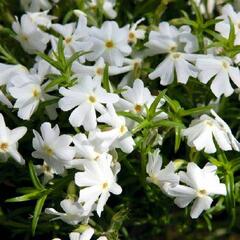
(221, 70)
(97, 182)
(97, 70)
(201, 185)
(134, 33)
(75, 37)
(89, 148)
(206, 7)
(86, 235)
(28, 91)
(108, 8)
(118, 135)
(7, 71)
(46, 171)
(86, 97)
(135, 99)
(74, 212)
(53, 148)
(203, 131)
(164, 178)
(30, 36)
(223, 27)
(109, 42)
(9, 141)
(37, 5)
(179, 44)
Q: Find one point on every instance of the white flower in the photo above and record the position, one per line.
(164, 178)
(136, 99)
(75, 37)
(98, 181)
(206, 7)
(132, 66)
(134, 34)
(37, 5)
(179, 44)
(233, 141)
(74, 212)
(86, 235)
(202, 184)
(108, 6)
(86, 97)
(47, 171)
(203, 131)
(109, 42)
(97, 70)
(9, 141)
(28, 91)
(7, 71)
(89, 148)
(53, 147)
(118, 136)
(41, 18)
(29, 35)
(221, 70)
(223, 27)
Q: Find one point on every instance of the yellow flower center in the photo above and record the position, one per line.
(176, 55)
(225, 65)
(68, 40)
(109, 44)
(201, 193)
(99, 71)
(36, 93)
(138, 108)
(24, 38)
(105, 185)
(122, 129)
(48, 150)
(92, 99)
(3, 147)
(173, 49)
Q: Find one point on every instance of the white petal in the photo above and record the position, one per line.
(199, 205)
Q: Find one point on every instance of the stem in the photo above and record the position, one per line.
(229, 181)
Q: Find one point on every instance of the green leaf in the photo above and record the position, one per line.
(211, 22)
(76, 56)
(194, 111)
(196, 10)
(37, 212)
(106, 83)
(173, 104)
(60, 52)
(27, 197)
(54, 82)
(217, 36)
(167, 123)
(51, 61)
(116, 223)
(235, 164)
(130, 115)
(177, 138)
(34, 177)
(153, 107)
(232, 35)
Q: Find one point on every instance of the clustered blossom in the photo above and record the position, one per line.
(97, 114)
(202, 133)
(200, 184)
